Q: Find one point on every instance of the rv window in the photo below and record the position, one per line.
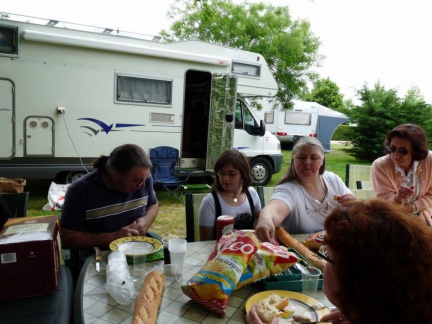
(269, 117)
(244, 119)
(297, 118)
(9, 40)
(246, 69)
(143, 90)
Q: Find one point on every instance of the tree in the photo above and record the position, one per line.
(326, 93)
(289, 47)
(381, 110)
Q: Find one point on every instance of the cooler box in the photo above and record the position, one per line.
(29, 257)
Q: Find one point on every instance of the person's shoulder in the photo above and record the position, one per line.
(86, 179)
(330, 175)
(381, 160)
(252, 190)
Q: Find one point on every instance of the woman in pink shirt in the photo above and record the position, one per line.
(404, 174)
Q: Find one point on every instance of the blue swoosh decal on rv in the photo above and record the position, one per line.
(128, 125)
(105, 127)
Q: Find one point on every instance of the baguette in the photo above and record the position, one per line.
(148, 299)
(272, 306)
(286, 239)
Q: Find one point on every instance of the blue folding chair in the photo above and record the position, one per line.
(166, 170)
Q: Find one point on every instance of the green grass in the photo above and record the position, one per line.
(171, 220)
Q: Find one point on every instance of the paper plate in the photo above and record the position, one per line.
(298, 302)
(126, 245)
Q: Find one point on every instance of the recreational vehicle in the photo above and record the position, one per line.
(305, 119)
(70, 93)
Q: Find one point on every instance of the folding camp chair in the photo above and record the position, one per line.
(264, 194)
(193, 203)
(166, 170)
(17, 203)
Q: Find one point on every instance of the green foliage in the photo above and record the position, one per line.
(381, 110)
(289, 47)
(326, 93)
(342, 133)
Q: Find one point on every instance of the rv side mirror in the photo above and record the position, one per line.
(229, 118)
(262, 128)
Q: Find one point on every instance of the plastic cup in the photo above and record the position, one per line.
(177, 251)
(139, 254)
(310, 279)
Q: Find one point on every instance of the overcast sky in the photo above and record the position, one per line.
(364, 41)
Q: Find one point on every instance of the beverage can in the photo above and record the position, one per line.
(167, 259)
(224, 225)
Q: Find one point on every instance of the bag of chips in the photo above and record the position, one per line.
(237, 260)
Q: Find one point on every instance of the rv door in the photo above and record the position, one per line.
(221, 116)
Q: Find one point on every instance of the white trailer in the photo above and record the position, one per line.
(305, 119)
(69, 93)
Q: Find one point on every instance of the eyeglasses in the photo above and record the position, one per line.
(138, 183)
(401, 150)
(227, 175)
(323, 256)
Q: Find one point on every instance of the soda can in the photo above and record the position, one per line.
(167, 258)
(224, 226)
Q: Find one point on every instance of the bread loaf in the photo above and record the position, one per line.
(271, 306)
(286, 239)
(149, 298)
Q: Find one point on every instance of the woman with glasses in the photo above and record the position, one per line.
(384, 274)
(304, 196)
(378, 267)
(232, 195)
(115, 200)
(404, 175)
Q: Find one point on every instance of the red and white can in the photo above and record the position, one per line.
(224, 226)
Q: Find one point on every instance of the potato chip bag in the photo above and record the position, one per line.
(237, 260)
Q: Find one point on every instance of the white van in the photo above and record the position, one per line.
(70, 93)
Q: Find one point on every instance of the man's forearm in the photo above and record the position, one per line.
(85, 240)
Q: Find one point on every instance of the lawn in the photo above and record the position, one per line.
(171, 220)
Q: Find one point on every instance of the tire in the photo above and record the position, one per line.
(73, 175)
(262, 171)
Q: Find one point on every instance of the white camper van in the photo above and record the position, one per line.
(69, 93)
(305, 119)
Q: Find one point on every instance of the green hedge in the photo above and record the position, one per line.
(341, 133)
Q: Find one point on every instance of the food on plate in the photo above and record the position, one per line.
(286, 239)
(149, 298)
(337, 197)
(237, 260)
(272, 306)
(314, 240)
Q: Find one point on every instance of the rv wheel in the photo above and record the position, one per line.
(73, 175)
(261, 171)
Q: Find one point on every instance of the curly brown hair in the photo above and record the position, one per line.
(382, 259)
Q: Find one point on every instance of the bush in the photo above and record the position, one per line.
(341, 133)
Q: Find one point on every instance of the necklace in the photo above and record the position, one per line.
(234, 197)
(322, 210)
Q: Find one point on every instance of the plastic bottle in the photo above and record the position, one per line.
(120, 284)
